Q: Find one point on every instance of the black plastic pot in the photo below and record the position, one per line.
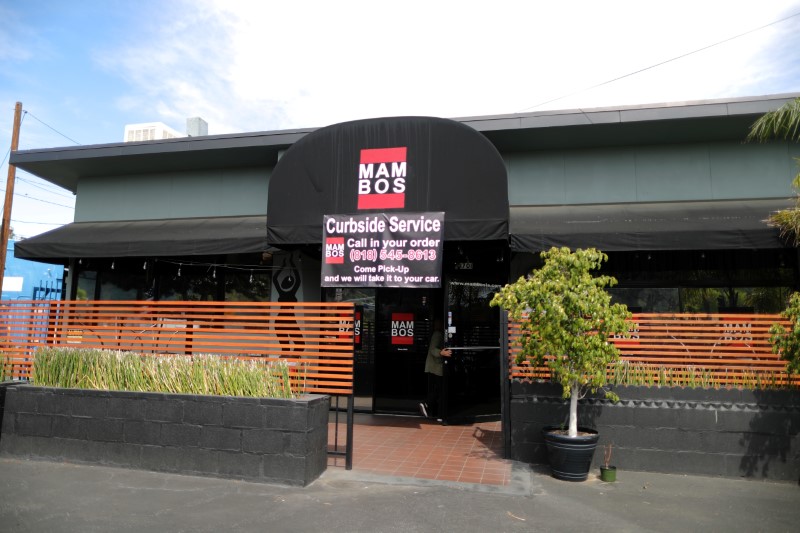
(570, 457)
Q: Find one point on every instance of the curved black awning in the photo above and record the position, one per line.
(445, 166)
(147, 238)
(708, 225)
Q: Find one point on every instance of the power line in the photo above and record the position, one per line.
(43, 188)
(661, 63)
(51, 127)
(25, 195)
(42, 223)
(46, 201)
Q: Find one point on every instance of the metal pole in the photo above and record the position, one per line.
(505, 386)
(12, 171)
(348, 458)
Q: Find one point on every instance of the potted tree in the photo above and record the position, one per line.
(566, 319)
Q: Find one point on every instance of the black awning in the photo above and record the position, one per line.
(147, 238)
(397, 164)
(728, 224)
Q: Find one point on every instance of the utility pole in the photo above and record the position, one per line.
(12, 171)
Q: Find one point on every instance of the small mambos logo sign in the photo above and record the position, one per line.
(403, 328)
(334, 250)
(382, 178)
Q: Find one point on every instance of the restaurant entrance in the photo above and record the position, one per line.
(396, 327)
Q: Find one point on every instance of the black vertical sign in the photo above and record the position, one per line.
(383, 250)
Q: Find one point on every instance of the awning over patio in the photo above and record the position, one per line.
(147, 238)
(728, 224)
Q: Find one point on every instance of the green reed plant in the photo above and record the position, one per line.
(203, 374)
(649, 375)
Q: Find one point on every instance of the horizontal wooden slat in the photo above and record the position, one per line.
(317, 336)
(726, 349)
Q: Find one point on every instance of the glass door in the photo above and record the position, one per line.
(472, 332)
(403, 323)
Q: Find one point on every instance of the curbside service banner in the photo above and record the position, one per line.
(382, 250)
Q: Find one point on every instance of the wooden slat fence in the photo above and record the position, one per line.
(687, 349)
(315, 338)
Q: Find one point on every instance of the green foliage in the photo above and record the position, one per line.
(788, 220)
(786, 342)
(566, 313)
(204, 374)
(782, 123)
(651, 375)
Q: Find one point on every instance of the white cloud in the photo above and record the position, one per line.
(269, 65)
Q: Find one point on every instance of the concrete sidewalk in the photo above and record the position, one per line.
(53, 497)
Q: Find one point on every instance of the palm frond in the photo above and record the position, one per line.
(788, 222)
(783, 123)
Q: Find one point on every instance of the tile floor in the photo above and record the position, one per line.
(420, 448)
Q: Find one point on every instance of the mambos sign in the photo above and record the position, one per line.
(403, 329)
(382, 178)
(383, 250)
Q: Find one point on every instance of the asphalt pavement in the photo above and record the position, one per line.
(40, 496)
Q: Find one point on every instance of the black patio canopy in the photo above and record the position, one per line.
(147, 238)
(704, 225)
(405, 164)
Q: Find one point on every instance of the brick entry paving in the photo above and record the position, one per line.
(419, 448)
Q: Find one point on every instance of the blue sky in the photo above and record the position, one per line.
(87, 68)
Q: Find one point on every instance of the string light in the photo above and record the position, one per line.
(112, 265)
(214, 274)
(251, 276)
(179, 269)
(144, 266)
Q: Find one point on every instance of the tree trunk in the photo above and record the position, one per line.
(573, 410)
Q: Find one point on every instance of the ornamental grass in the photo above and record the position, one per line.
(693, 377)
(200, 374)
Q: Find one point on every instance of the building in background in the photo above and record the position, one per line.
(156, 131)
(31, 280)
(149, 131)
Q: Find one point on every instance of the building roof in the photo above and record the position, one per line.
(682, 122)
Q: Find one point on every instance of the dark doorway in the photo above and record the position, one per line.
(396, 328)
(472, 374)
(474, 271)
(403, 324)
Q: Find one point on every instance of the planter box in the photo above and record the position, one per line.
(255, 439)
(732, 433)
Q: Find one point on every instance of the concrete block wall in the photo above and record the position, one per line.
(731, 433)
(257, 439)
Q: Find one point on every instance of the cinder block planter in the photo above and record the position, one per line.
(255, 439)
(732, 433)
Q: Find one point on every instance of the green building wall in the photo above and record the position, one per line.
(679, 172)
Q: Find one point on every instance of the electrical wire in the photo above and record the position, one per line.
(42, 223)
(25, 195)
(51, 127)
(661, 63)
(29, 182)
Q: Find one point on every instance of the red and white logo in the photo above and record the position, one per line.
(334, 250)
(403, 328)
(382, 178)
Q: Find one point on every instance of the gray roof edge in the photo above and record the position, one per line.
(178, 144)
(571, 117)
(731, 106)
